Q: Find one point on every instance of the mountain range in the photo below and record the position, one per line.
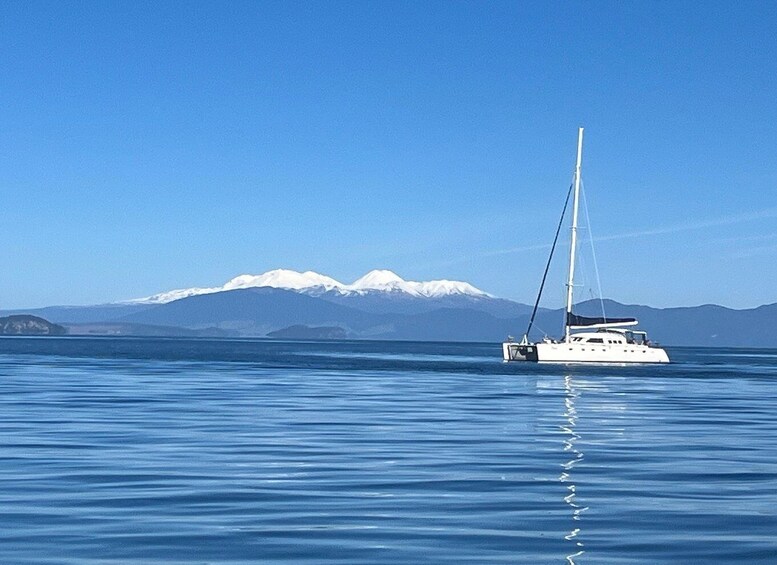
(313, 283)
(381, 305)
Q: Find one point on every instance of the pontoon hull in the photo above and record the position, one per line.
(583, 353)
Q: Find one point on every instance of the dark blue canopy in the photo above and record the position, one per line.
(575, 320)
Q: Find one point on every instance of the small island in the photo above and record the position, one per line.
(307, 332)
(24, 324)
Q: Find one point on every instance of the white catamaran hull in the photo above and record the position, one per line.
(583, 353)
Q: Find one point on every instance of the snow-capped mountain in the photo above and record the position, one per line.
(313, 283)
(387, 281)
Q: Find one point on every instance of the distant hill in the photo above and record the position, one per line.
(306, 332)
(144, 330)
(24, 324)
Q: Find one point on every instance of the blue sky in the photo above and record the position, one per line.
(151, 146)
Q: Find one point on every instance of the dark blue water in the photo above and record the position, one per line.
(191, 451)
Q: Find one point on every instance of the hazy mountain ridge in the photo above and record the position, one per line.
(395, 314)
(708, 324)
(80, 314)
(396, 302)
(254, 311)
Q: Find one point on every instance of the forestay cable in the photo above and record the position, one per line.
(550, 257)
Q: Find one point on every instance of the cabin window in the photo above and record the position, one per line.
(595, 340)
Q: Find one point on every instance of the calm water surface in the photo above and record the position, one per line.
(195, 451)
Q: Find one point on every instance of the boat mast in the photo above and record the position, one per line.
(573, 242)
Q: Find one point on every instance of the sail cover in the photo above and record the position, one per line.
(574, 320)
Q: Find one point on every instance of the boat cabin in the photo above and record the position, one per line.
(611, 336)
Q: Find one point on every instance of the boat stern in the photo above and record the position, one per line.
(512, 351)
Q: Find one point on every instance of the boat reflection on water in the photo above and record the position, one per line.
(571, 438)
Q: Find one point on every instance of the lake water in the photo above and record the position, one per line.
(164, 451)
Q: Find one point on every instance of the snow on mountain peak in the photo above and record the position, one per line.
(315, 283)
(388, 281)
(283, 278)
(377, 280)
(443, 287)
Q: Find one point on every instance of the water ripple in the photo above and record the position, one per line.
(244, 451)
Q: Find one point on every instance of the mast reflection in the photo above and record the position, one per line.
(570, 446)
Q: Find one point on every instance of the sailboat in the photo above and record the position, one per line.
(585, 340)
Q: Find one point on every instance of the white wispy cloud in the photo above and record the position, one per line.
(698, 225)
(756, 215)
(747, 238)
